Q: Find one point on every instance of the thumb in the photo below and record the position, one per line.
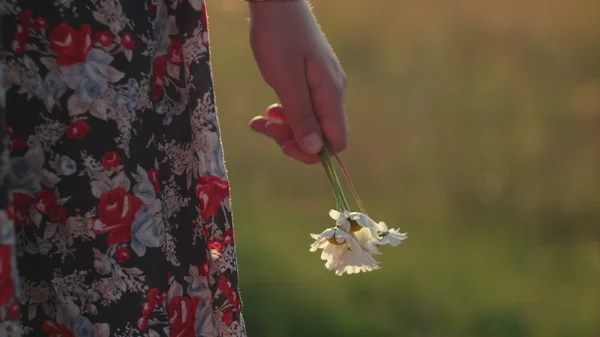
(296, 101)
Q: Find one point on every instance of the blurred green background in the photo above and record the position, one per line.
(475, 127)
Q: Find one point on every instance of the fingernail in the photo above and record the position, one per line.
(268, 131)
(313, 143)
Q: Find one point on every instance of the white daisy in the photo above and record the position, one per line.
(360, 226)
(342, 253)
(391, 237)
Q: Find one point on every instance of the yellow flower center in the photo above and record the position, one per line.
(354, 226)
(334, 242)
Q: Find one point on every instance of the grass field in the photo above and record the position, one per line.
(475, 126)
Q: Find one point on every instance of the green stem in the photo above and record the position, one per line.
(349, 181)
(339, 186)
(334, 181)
(330, 178)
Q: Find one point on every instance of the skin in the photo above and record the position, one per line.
(297, 62)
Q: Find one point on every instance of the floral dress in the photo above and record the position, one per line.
(115, 215)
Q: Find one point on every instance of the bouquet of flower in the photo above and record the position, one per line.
(350, 245)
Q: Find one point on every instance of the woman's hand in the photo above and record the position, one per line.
(296, 60)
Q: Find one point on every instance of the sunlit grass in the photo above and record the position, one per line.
(474, 125)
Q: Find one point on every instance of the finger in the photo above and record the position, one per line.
(328, 83)
(283, 135)
(333, 123)
(280, 132)
(258, 124)
(275, 112)
(292, 149)
(328, 99)
(295, 98)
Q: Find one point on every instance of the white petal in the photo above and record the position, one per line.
(321, 239)
(327, 251)
(393, 238)
(334, 214)
(342, 234)
(366, 239)
(397, 231)
(362, 219)
(381, 226)
(326, 234)
(343, 223)
(340, 258)
(333, 253)
(339, 238)
(316, 245)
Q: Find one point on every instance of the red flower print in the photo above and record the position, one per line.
(21, 32)
(228, 237)
(26, 17)
(21, 205)
(17, 145)
(77, 129)
(174, 52)
(153, 177)
(110, 160)
(104, 37)
(150, 6)
(215, 245)
(122, 254)
(10, 212)
(182, 316)
(10, 131)
(116, 211)
(18, 46)
(55, 329)
(211, 191)
(142, 323)
(40, 23)
(44, 200)
(12, 311)
(227, 317)
(58, 214)
(203, 270)
(127, 40)
(147, 308)
(71, 46)
(152, 295)
(225, 288)
(159, 66)
(6, 283)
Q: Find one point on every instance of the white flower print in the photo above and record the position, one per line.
(116, 125)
